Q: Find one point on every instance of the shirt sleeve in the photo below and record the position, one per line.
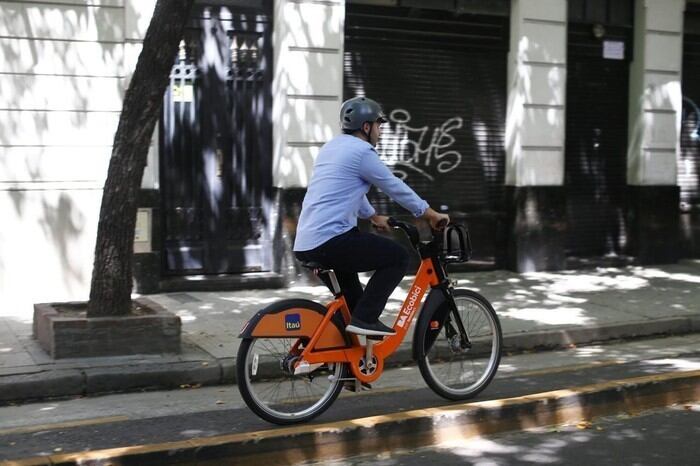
(366, 209)
(373, 171)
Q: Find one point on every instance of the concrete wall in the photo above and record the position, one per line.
(655, 93)
(308, 84)
(137, 17)
(64, 67)
(535, 120)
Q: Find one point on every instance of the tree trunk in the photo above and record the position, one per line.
(110, 290)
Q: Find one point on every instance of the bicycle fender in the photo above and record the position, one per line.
(433, 315)
(295, 318)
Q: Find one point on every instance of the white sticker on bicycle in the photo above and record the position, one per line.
(254, 365)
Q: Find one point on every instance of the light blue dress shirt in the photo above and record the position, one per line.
(344, 170)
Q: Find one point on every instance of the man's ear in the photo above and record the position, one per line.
(366, 127)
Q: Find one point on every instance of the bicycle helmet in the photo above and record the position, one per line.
(358, 110)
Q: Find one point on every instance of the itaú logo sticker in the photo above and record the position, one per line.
(292, 322)
(408, 310)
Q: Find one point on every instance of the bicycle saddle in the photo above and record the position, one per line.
(326, 275)
(316, 266)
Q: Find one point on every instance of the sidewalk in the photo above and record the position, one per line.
(543, 309)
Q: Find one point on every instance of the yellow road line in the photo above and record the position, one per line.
(62, 425)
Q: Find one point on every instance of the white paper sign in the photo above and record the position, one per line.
(614, 49)
(183, 93)
(142, 234)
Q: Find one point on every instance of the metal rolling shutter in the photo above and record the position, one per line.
(689, 162)
(689, 158)
(596, 143)
(441, 78)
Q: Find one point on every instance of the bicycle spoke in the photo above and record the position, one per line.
(459, 371)
(281, 394)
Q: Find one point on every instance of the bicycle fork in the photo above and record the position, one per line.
(450, 331)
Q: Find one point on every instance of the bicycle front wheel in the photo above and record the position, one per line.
(270, 388)
(458, 373)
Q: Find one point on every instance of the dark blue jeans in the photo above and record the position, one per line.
(356, 251)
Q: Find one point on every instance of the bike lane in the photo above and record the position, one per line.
(402, 391)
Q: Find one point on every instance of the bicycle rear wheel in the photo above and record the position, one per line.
(266, 380)
(458, 373)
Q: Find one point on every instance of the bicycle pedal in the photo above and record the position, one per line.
(304, 367)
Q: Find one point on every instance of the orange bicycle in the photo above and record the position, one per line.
(295, 355)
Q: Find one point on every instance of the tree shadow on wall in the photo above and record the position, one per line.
(61, 95)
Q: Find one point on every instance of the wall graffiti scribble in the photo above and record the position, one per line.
(406, 149)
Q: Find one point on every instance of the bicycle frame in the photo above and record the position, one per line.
(427, 277)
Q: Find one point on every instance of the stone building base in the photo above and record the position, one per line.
(653, 224)
(535, 228)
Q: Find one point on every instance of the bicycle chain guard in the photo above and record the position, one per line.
(357, 368)
(368, 369)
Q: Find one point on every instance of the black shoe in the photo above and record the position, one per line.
(374, 329)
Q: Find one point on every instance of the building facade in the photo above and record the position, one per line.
(563, 132)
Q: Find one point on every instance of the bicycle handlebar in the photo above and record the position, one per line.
(453, 242)
(410, 230)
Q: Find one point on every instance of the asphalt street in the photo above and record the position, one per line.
(660, 437)
(136, 419)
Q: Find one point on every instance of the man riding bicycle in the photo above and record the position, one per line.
(327, 232)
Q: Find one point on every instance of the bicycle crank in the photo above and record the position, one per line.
(368, 368)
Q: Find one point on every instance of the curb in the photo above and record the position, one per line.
(110, 379)
(66, 382)
(408, 429)
(51, 384)
(63, 383)
(558, 338)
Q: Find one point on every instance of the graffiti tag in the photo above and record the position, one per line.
(410, 149)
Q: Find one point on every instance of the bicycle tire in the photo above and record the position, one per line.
(245, 362)
(429, 360)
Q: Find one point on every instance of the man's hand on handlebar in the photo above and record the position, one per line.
(437, 220)
(380, 222)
